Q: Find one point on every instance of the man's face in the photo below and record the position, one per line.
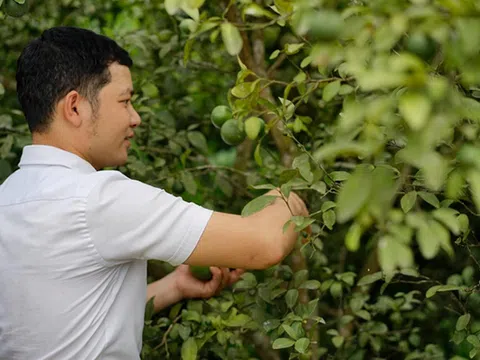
(113, 124)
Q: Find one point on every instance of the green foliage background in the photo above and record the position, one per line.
(372, 116)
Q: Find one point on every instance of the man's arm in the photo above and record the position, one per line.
(253, 242)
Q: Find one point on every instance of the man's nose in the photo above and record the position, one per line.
(136, 119)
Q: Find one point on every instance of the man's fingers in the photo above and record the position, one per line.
(225, 278)
(235, 275)
(212, 286)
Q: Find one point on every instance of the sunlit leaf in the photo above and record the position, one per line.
(258, 204)
(282, 343)
(231, 38)
(189, 349)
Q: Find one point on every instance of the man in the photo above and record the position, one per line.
(75, 239)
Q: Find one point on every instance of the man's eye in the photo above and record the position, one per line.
(126, 101)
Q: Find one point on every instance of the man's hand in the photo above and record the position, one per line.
(190, 287)
(181, 284)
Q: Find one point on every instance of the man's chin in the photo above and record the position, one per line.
(115, 163)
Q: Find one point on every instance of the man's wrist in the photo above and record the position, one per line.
(166, 292)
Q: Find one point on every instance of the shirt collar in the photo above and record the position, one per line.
(53, 156)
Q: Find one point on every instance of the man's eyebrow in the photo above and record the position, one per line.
(128, 91)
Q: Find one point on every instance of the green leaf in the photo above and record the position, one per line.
(292, 333)
(449, 218)
(319, 187)
(271, 324)
(291, 297)
(463, 223)
(263, 187)
(258, 204)
(429, 198)
(336, 289)
(198, 140)
(354, 194)
(408, 200)
(333, 332)
(243, 90)
(149, 309)
(231, 38)
(189, 349)
(194, 4)
(329, 219)
(274, 54)
(305, 62)
(282, 343)
(443, 237)
(379, 328)
(473, 178)
(257, 11)
(331, 90)
(327, 205)
(432, 291)
(292, 49)
(393, 254)
(172, 6)
(302, 163)
(150, 90)
(428, 241)
(238, 320)
(338, 341)
(364, 314)
(462, 322)
(352, 238)
(189, 182)
(301, 345)
(258, 155)
(311, 285)
(371, 278)
(415, 109)
(473, 339)
(442, 288)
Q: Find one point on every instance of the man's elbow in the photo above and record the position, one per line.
(270, 255)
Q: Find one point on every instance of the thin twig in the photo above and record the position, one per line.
(164, 339)
(473, 257)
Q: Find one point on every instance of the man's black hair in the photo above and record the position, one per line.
(63, 59)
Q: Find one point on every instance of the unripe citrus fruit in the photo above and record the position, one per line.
(421, 45)
(220, 114)
(324, 25)
(201, 272)
(14, 9)
(254, 126)
(232, 132)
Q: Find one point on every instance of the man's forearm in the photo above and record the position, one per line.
(166, 286)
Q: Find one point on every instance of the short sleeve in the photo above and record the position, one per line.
(129, 220)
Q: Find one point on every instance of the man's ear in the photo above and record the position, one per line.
(71, 108)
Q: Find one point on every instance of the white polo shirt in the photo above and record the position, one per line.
(73, 249)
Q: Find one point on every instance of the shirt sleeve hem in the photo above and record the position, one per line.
(192, 237)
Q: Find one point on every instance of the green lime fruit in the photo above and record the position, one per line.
(233, 132)
(220, 114)
(421, 45)
(254, 126)
(201, 272)
(14, 9)
(324, 25)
